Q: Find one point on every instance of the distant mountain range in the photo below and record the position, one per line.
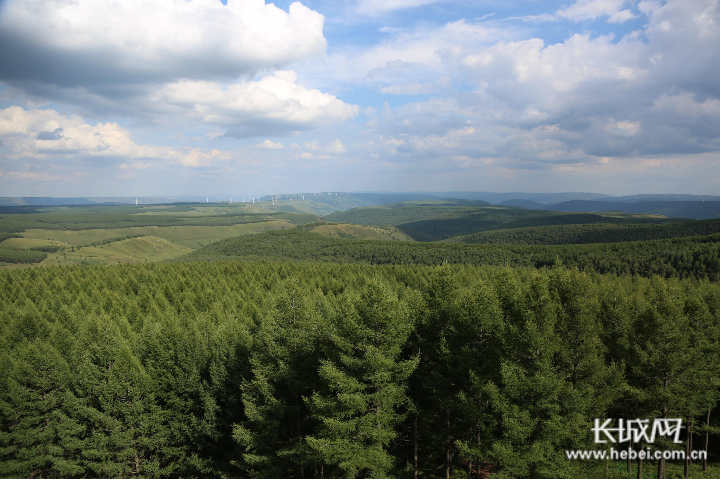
(545, 198)
(673, 209)
(669, 205)
(324, 197)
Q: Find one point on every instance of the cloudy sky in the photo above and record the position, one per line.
(196, 97)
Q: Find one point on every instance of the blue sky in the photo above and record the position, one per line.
(176, 97)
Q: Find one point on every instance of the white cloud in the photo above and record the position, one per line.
(335, 147)
(621, 17)
(418, 88)
(627, 128)
(26, 133)
(592, 9)
(274, 104)
(270, 145)
(543, 76)
(585, 10)
(129, 41)
(409, 52)
(375, 7)
(313, 146)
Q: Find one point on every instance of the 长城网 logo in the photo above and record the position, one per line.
(637, 430)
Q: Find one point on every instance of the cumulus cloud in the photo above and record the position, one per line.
(269, 145)
(613, 11)
(46, 134)
(583, 101)
(592, 9)
(170, 61)
(375, 7)
(418, 88)
(334, 147)
(87, 43)
(313, 146)
(424, 50)
(274, 105)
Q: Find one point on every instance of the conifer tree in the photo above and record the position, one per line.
(284, 365)
(40, 435)
(364, 384)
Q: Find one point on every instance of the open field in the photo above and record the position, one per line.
(346, 230)
(27, 243)
(133, 250)
(191, 237)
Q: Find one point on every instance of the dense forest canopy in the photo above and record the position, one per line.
(592, 233)
(289, 369)
(687, 257)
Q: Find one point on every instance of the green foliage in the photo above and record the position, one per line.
(124, 217)
(46, 248)
(309, 369)
(115, 239)
(431, 222)
(687, 257)
(593, 233)
(362, 384)
(14, 255)
(5, 236)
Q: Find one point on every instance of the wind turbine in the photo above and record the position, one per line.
(207, 199)
(136, 202)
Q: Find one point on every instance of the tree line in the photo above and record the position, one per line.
(16, 255)
(687, 257)
(105, 218)
(299, 369)
(593, 233)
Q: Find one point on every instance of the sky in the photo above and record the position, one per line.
(206, 97)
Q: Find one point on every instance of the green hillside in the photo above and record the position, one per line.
(132, 250)
(592, 233)
(364, 232)
(441, 221)
(189, 236)
(687, 257)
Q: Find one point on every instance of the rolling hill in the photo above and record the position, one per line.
(444, 220)
(687, 257)
(592, 233)
(674, 209)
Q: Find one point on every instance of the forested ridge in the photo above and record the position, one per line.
(592, 233)
(305, 369)
(687, 257)
(14, 255)
(445, 220)
(18, 223)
